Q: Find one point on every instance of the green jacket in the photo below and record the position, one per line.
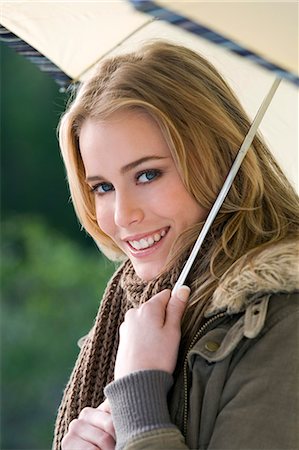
(239, 385)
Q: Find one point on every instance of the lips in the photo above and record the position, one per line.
(147, 241)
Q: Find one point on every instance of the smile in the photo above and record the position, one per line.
(148, 241)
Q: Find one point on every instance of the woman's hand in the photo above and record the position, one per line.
(93, 430)
(150, 335)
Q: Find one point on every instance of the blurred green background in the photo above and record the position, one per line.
(52, 275)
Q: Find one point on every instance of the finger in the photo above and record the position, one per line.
(157, 305)
(94, 436)
(177, 305)
(69, 442)
(159, 301)
(90, 434)
(99, 419)
(161, 297)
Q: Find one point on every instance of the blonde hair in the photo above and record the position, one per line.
(204, 126)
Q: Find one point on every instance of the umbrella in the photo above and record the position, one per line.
(250, 44)
(56, 29)
(68, 38)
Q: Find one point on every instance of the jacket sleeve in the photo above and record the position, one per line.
(259, 406)
(140, 413)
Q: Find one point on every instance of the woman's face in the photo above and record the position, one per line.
(141, 201)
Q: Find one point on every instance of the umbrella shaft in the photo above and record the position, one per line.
(228, 182)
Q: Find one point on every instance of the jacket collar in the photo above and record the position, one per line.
(274, 269)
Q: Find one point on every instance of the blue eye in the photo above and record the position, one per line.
(148, 175)
(102, 188)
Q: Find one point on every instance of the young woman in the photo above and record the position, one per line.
(147, 144)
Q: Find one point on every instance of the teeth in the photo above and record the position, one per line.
(143, 243)
(147, 242)
(135, 244)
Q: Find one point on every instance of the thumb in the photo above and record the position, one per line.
(176, 305)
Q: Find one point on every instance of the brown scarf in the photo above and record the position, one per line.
(95, 364)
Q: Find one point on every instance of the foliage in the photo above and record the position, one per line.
(32, 173)
(50, 295)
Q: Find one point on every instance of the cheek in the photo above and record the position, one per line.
(105, 218)
(184, 208)
(175, 200)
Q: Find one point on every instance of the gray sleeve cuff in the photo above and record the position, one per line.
(138, 403)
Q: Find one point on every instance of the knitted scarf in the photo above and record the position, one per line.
(95, 364)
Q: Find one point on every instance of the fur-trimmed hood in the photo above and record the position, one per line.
(274, 269)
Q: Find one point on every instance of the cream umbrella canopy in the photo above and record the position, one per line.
(241, 39)
(249, 43)
(266, 32)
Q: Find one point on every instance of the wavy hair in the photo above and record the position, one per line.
(204, 125)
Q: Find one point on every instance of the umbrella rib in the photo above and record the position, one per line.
(227, 184)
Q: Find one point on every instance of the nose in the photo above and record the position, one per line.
(127, 209)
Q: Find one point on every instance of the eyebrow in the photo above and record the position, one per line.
(129, 166)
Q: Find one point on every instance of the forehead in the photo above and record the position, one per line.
(124, 132)
(107, 147)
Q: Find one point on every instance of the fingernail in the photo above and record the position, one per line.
(183, 293)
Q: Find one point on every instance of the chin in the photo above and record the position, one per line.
(147, 273)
